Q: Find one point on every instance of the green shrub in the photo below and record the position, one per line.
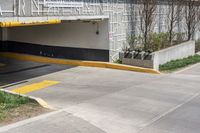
(118, 61)
(158, 40)
(8, 101)
(2, 115)
(176, 64)
(133, 42)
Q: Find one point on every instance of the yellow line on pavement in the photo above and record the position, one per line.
(34, 87)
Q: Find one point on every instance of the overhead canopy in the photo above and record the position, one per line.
(29, 23)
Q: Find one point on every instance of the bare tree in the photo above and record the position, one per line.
(198, 16)
(191, 17)
(147, 16)
(173, 16)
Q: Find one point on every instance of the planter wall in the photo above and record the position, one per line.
(161, 57)
(180, 51)
(138, 62)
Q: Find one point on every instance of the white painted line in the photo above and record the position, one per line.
(168, 112)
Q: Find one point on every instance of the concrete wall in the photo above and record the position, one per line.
(161, 57)
(1, 35)
(180, 51)
(1, 44)
(75, 34)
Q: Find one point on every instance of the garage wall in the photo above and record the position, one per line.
(1, 35)
(1, 43)
(69, 34)
(73, 40)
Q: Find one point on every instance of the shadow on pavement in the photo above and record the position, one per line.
(17, 70)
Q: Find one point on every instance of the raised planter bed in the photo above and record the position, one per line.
(138, 62)
(161, 57)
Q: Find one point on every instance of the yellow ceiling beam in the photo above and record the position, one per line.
(29, 23)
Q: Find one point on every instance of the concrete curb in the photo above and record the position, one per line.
(77, 62)
(40, 101)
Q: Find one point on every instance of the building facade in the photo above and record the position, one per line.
(90, 29)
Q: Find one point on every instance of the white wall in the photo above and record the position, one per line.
(68, 34)
(180, 51)
(1, 35)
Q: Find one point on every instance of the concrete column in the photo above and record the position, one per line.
(0, 34)
(4, 34)
(3, 38)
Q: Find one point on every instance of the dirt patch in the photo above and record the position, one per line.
(23, 112)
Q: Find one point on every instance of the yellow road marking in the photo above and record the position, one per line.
(34, 87)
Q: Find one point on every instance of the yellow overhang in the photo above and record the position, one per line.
(29, 23)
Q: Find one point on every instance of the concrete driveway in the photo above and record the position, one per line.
(96, 100)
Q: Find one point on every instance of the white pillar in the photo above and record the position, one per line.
(4, 34)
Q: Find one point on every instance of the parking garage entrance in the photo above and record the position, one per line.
(70, 39)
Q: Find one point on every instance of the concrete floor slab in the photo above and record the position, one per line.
(58, 123)
(114, 101)
(183, 120)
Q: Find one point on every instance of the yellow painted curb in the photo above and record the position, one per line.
(77, 62)
(28, 23)
(42, 103)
